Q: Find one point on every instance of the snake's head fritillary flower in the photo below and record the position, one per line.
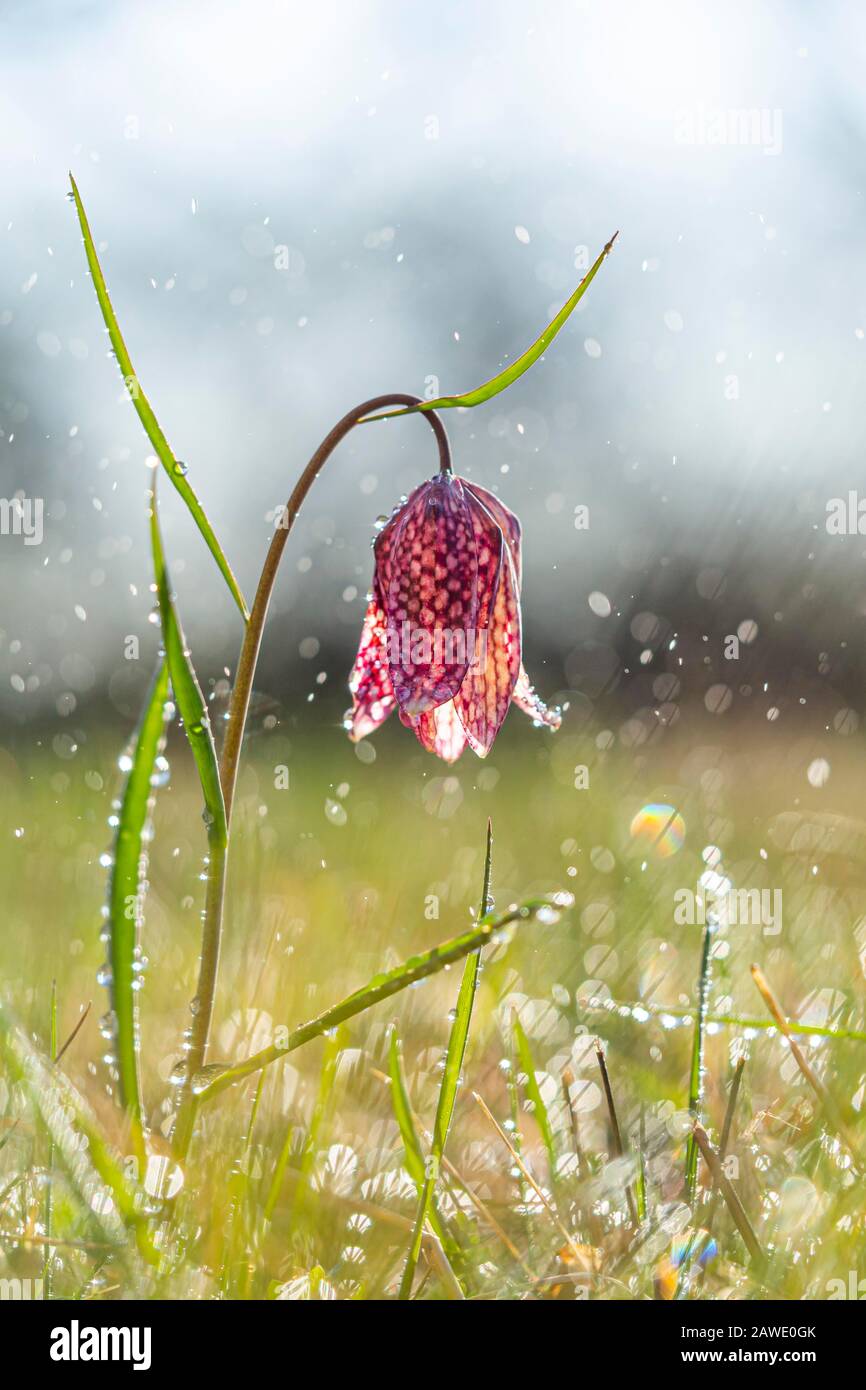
(441, 636)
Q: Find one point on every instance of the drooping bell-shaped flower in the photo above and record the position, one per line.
(441, 637)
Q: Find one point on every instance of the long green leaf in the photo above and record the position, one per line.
(196, 722)
(533, 1092)
(187, 693)
(383, 986)
(124, 902)
(510, 374)
(448, 1090)
(144, 410)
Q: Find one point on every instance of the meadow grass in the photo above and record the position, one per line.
(302, 1180)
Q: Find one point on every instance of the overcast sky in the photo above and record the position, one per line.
(438, 175)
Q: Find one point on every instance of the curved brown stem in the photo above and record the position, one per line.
(236, 724)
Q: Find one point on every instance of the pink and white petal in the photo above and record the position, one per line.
(439, 730)
(432, 599)
(505, 520)
(490, 548)
(483, 699)
(370, 682)
(384, 540)
(532, 704)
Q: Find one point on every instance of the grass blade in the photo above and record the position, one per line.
(196, 723)
(448, 1090)
(725, 1139)
(124, 902)
(506, 378)
(696, 1071)
(640, 1184)
(414, 1156)
(533, 1092)
(616, 1133)
(735, 1206)
(403, 1114)
(384, 986)
(187, 692)
(161, 446)
(82, 1019)
(829, 1105)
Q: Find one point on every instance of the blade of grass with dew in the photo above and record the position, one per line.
(162, 449)
(187, 692)
(533, 1093)
(510, 374)
(454, 1056)
(623, 1009)
(92, 1168)
(384, 986)
(696, 1070)
(414, 1157)
(124, 902)
(196, 724)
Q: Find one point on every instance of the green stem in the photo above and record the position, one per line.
(206, 990)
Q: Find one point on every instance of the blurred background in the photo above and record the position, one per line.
(297, 208)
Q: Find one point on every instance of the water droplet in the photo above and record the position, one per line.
(108, 1025)
(161, 772)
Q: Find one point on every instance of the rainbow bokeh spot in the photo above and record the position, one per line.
(660, 827)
